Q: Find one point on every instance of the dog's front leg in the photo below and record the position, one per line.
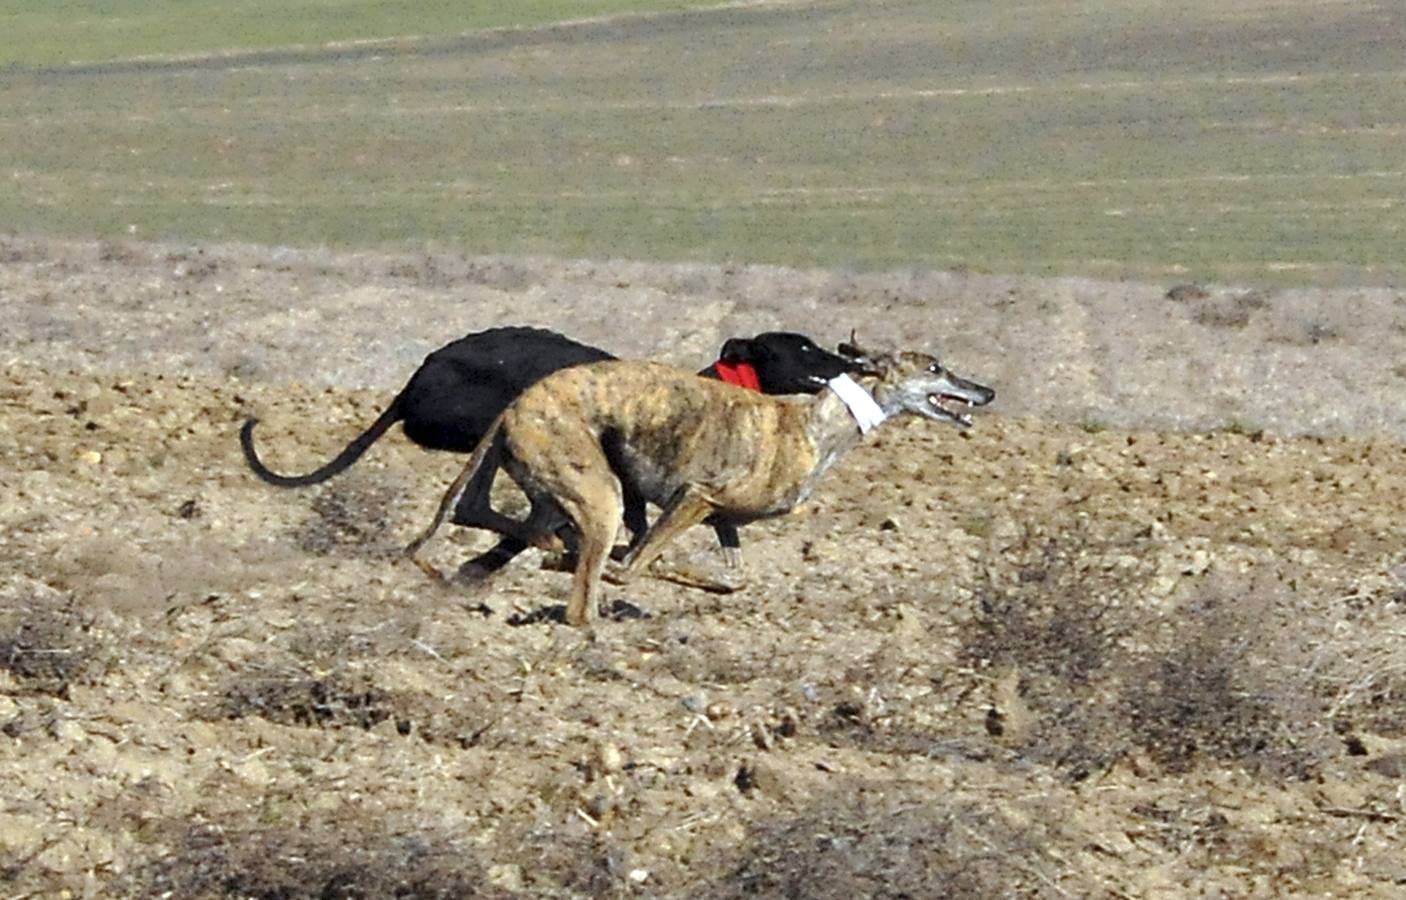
(729, 543)
(708, 578)
(689, 507)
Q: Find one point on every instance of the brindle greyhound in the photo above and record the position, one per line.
(696, 448)
(692, 446)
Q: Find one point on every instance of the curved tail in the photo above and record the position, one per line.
(349, 455)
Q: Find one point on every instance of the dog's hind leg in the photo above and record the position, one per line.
(559, 465)
(545, 527)
(636, 518)
(451, 500)
(474, 510)
(595, 507)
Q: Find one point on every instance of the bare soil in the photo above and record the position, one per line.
(1080, 650)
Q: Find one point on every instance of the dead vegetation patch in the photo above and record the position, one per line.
(294, 697)
(351, 517)
(702, 655)
(48, 644)
(1204, 836)
(878, 703)
(1087, 671)
(341, 856)
(866, 842)
(1230, 310)
(316, 692)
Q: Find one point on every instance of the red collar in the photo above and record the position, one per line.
(741, 374)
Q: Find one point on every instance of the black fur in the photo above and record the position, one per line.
(453, 397)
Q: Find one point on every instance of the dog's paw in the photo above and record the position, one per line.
(559, 562)
(624, 610)
(701, 578)
(473, 573)
(554, 613)
(615, 573)
(425, 566)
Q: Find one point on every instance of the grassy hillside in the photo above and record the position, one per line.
(1260, 142)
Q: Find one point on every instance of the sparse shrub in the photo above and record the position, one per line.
(863, 843)
(1102, 678)
(319, 860)
(1182, 293)
(47, 647)
(1201, 692)
(294, 698)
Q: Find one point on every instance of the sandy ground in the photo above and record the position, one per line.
(1071, 652)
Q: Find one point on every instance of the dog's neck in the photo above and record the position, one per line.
(867, 413)
(833, 429)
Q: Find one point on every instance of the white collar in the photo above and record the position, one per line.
(868, 415)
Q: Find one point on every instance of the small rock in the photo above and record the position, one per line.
(600, 805)
(90, 457)
(789, 724)
(507, 876)
(718, 710)
(67, 731)
(1162, 585)
(1199, 563)
(609, 759)
(1181, 293)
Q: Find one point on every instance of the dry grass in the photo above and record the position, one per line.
(337, 855)
(1097, 674)
(49, 643)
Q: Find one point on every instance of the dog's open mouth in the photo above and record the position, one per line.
(952, 408)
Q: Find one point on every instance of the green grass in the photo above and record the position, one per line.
(1110, 137)
(85, 31)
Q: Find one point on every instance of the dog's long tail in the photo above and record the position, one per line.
(349, 455)
(456, 490)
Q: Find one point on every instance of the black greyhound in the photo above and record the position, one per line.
(460, 389)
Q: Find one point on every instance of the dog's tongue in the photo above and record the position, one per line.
(741, 374)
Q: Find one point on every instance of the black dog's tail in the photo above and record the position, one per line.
(349, 455)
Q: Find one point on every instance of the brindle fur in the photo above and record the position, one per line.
(696, 448)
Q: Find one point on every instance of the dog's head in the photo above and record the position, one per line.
(907, 381)
(786, 362)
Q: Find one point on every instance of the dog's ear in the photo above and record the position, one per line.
(865, 362)
(738, 350)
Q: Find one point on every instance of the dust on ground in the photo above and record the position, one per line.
(1051, 656)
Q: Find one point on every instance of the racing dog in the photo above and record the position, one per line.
(459, 390)
(698, 449)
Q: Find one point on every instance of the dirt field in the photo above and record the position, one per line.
(1071, 652)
